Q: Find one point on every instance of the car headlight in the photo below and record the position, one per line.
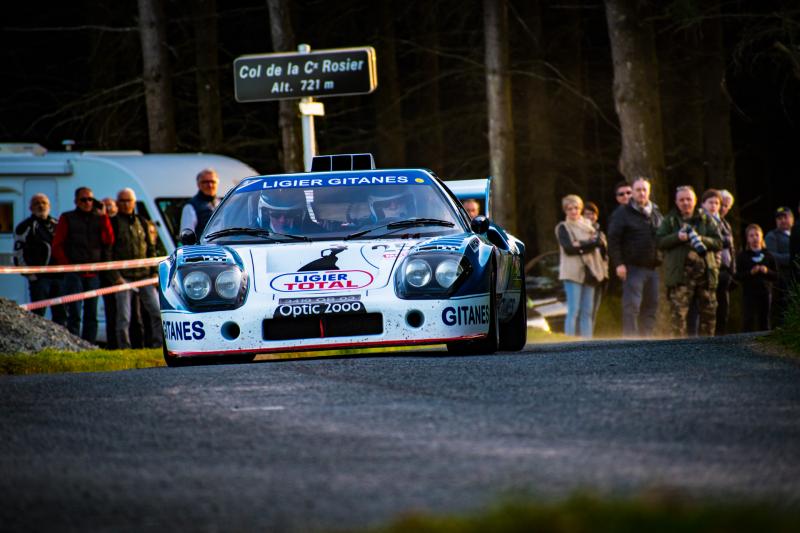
(418, 273)
(448, 272)
(197, 285)
(228, 283)
(431, 275)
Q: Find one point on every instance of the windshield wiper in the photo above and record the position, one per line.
(257, 232)
(403, 224)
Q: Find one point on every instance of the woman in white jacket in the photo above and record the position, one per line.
(582, 266)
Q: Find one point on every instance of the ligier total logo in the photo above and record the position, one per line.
(327, 280)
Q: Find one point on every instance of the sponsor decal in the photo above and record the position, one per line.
(410, 177)
(327, 260)
(332, 280)
(320, 308)
(183, 330)
(466, 315)
(375, 254)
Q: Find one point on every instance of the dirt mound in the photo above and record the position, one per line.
(23, 331)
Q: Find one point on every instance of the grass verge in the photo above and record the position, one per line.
(788, 335)
(54, 361)
(594, 515)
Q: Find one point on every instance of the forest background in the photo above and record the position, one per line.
(550, 97)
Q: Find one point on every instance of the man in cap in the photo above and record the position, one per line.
(777, 241)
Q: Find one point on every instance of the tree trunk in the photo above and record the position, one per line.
(536, 172)
(501, 127)
(569, 135)
(283, 40)
(157, 76)
(718, 146)
(391, 134)
(431, 148)
(636, 94)
(682, 108)
(209, 111)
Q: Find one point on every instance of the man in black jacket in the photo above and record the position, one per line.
(83, 235)
(132, 241)
(33, 239)
(632, 248)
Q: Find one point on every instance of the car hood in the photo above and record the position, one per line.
(334, 266)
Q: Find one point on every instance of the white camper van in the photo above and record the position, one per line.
(162, 182)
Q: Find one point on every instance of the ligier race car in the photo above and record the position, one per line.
(337, 258)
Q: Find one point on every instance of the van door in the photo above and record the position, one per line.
(12, 212)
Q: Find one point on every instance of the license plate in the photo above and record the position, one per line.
(296, 307)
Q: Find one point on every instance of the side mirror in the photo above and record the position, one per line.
(187, 237)
(480, 224)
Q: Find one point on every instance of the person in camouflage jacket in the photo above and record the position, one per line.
(689, 240)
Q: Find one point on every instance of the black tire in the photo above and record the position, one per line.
(514, 333)
(490, 344)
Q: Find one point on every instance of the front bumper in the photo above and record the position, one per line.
(399, 323)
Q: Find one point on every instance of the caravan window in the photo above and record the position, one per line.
(170, 209)
(6, 217)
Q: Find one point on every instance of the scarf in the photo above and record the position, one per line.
(583, 230)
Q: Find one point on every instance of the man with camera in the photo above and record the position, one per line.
(691, 270)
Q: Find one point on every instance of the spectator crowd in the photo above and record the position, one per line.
(691, 247)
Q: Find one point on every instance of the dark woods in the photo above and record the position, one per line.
(713, 90)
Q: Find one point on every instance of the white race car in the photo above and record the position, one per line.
(340, 259)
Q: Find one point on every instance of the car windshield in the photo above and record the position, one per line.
(334, 206)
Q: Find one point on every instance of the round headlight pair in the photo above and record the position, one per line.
(418, 272)
(197, 284)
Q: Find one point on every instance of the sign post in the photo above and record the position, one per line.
(305, 75)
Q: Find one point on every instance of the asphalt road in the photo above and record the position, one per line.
(339, 443)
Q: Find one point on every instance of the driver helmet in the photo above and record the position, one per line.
(392, 203)
(285, 208)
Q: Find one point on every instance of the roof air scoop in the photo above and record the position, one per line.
(332, 163)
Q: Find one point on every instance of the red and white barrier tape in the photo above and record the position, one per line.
(83, 267)
(69, 298)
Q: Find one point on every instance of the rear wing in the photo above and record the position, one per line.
(479, 189)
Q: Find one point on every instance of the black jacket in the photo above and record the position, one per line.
(632, 237)
(756, 284)
(33, 239)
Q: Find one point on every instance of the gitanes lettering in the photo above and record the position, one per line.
(465, 315)
(184, 330)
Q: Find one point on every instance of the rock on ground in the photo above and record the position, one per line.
(24, 331)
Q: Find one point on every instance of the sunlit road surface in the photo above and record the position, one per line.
(338, 443)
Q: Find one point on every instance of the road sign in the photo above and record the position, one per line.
(333, 72)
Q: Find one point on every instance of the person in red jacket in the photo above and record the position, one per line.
(83, 235)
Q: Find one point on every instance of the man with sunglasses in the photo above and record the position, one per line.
(83, 235)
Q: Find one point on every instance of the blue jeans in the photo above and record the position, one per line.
(43, 288)
(580, 308)
(639, 301)
(74, 283)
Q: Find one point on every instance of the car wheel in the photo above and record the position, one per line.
(514, 333)
(490, 344)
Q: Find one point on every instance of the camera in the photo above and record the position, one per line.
(695, 240)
